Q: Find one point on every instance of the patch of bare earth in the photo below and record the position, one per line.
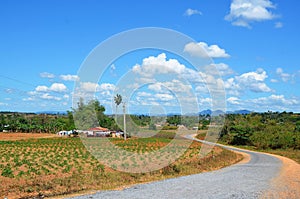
(22, 136)
(287, 184)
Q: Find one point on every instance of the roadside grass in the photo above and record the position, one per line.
(289, 153)
(56, 166)
(293, 154)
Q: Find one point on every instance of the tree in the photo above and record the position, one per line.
(86, 115)
(118, 101)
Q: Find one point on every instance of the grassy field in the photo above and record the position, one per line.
(55, 166)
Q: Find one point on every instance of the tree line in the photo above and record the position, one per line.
(262, 130)
(35, 123)
(272, 130)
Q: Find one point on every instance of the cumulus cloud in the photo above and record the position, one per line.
(244, 12)
(202, 49)
(55, 87)
(41, 88)
(253, 81)
(190, 12)
(158, 65)
(47, 75)
(69, 77)
(58, 87)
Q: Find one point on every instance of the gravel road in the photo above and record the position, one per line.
(247, 180)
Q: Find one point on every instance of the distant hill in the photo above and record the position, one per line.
(219, 112)
(242, 112)
(52, 112)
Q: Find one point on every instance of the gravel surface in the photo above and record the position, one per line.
(247, 180)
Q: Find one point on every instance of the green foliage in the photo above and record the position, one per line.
(35, 123)
(263, 130)
(169, 128)
(7, 172)
(175, 120)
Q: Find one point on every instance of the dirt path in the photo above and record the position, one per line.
(287, 184)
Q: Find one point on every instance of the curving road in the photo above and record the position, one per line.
(244, 180)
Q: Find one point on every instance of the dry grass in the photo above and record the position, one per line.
(22, 136)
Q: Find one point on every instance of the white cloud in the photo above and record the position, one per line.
(202, 89)
(55, 87)
(106, 86)
(201, 49)
(207, 101)
(278, 25)
(47, 75)
(66, 96)
(219, 69)
(158, 65)
(144, 94)
(28, 99)
(58, 87)
(175, 86)
(90, 87)
(253, 81)
(244, 12)
(190, 12)
(233, 100)
(164, 96)
(275, 102)
(41, 88)
(283, 76)
(274, 80)
(69, 77)
(47, 96)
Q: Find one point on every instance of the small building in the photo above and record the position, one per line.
(65, 133)
(98, 132)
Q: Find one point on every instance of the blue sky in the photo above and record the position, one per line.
(254, 44)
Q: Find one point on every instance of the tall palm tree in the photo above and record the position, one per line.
(118, 101)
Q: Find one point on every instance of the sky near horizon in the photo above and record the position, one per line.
(252, 43)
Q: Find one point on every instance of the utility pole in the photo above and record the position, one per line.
(124, 119)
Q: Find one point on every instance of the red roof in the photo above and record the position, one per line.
(99, 128)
